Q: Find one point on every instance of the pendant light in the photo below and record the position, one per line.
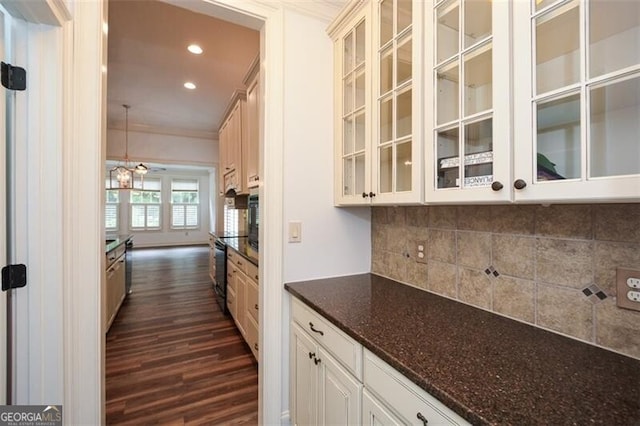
(124, 174)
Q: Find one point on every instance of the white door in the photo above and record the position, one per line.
(339, 399)
(303, 377)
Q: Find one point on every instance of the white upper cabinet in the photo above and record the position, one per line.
(577, 100)
(378, 98)
(467, 120)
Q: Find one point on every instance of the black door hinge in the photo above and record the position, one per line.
(13, 78)
(14, 276)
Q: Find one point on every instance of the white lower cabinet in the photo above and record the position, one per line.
(335, 381)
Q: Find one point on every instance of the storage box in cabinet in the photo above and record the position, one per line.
(342, 347)
(409, 402)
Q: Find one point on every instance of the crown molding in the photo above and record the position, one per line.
(238, 95)
(49, 12)
(252, 71)
(169, 131)
(345, 15)
(324, 10)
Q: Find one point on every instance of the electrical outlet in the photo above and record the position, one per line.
(628, 281)
(420, 251)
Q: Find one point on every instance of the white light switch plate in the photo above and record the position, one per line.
(295, 232)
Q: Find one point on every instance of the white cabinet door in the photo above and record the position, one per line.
(577, 100)
(339, 398)
(241, 294)
(253, 133)
(374, 413)
(304, 378)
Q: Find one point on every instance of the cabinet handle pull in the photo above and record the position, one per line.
(239, 263)
(519, 184)
(365, 195)
(497, 186)
(372, 194)
(255, 346)
(311, 355)
(421, 417)
(316, 331)
(316, 361)
(256, 307)
(257, 278)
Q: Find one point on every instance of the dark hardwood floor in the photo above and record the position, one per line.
(172, 357)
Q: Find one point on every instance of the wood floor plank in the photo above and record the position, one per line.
(172, 357)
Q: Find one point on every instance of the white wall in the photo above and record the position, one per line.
(332, 238)
(167, 236)
(162, 148)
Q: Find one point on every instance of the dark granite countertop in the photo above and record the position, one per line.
(112, 242)
(227, 234)
(241, 245)
(487, 368)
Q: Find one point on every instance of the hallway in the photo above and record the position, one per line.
(171, 355)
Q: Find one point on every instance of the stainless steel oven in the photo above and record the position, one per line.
(220, 282)
(253, 219)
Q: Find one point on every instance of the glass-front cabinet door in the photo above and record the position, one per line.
(467, 141)
(352, 79)
(397, 132)
(577, 100)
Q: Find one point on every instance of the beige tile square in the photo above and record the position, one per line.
(417, 233)
(474, 288)
(609, 256)
(417, 274)
(514, 298)
(417, 216)
(378, 236)
(443, 217)
(397, 267)
(564, 262)
(379, 215)
(474, 218)
(474, 249)
(617, 222)
(513, 255)
(618, 328)
(441, 278)
(380, 262)
(569, 221)
(442, 245)
(565, 310)
(396, 216)
(513, 219)
(396, 237)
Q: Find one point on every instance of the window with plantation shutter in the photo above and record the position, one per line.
(185, 204)
(146, 206)
(111, 209)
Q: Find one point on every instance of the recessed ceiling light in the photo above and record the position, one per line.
(195, 49)
(189, 85)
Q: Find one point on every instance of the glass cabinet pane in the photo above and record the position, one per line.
(359, 132)
(541, 4)
(403, 166)
(558, 138)
(558, 48)
(386, 118)
(478, 80)
(359, 174)
(403, 57)
(347, 55)
(347, 93)
(447, 96)
(614, 35)
(385, 168)
(347, 136)
(347, 177)
(478, 154)
(615, 128)
(477, 21)
(386, 70)
(404, 14)
(360, 43)
(360, 90)
(448, 30)
(386, 21)
(403, 114)
(448, 157)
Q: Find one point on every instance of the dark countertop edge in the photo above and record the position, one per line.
(460, 409)
(118, 241)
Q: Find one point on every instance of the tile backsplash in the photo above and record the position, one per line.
(553, 267)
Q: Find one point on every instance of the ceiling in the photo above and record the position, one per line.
(148, 64)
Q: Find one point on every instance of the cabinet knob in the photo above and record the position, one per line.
(372, 194)
(519, 184)
(497, 186)
(255, 346)
(316, 361)
(422, 418)
(365, 195)
(256, 307)
(311, 355)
